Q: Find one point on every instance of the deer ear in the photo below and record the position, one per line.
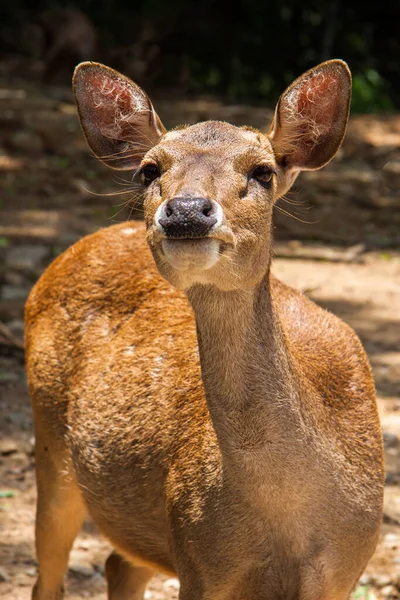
(117, 117)
(311, 117)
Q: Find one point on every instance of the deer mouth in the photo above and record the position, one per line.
(191, 254)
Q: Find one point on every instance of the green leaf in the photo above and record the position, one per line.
(7, 494)
(363, 593)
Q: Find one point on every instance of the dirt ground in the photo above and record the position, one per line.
(340, 246)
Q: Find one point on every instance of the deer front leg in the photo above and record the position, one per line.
(60, 513)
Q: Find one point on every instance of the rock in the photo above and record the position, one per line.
(19, 419)
(27, 446)
(26, 256)
(391, 540)
(19, 459)
(390, 440)
(385, 201)
(392, 451)
(32, 572)
(382, 581)
(4, 577)
(86, 544)
(391, 175)
(8, 377)
(9, 292)
(365, 579)
(389, 591)
(8, 446)
(10, 310)
(82, 569)
(13, 278)
(26, 141)
(22, 580)
(16, 326)
(80, 565)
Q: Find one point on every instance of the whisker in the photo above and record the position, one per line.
(288, 214)
(294, 202)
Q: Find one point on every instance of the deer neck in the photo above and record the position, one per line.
(247, 373)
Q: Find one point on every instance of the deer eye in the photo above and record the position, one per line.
(263, 175)
(149, 173)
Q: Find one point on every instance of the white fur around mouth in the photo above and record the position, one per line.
(191, 254)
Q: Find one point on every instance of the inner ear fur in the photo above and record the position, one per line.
(116, 115)
(311, 117)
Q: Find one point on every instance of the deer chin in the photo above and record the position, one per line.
(191, 255)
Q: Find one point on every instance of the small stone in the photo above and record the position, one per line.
(32, 572)
(16, 326)
(17, 418)
(391, 175)
(26, 141)
(390, 440)
(4, 577)
(392, 451)
(8, 377)
(383, 202)
(365, 579)
(19, 459)
(8, 446)
(14, 278)
(382, 581)
(9, 292)
(86, 544)
(26, 447)
(22, 580)
(83, 569)
(391, 539)
(148, 595)
(26, 256)
(389, 591)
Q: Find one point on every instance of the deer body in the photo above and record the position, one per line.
(230, 436)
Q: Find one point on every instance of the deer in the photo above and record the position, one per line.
(66, 35)
(215, 423)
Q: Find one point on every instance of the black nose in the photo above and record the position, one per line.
(187, 218)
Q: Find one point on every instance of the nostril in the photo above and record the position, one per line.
(187, 217)
(207, 208)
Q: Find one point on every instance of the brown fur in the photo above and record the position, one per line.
(245, 457)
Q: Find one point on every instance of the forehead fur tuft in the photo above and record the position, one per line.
(213, 134)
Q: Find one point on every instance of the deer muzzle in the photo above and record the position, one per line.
(187, 218)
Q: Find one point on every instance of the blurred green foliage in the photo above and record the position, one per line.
(371, 93)
(243, 51)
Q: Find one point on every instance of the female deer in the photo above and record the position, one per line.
(248, 459)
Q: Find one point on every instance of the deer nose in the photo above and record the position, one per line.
(188, 217)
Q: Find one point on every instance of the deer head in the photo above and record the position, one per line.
(210, 188)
